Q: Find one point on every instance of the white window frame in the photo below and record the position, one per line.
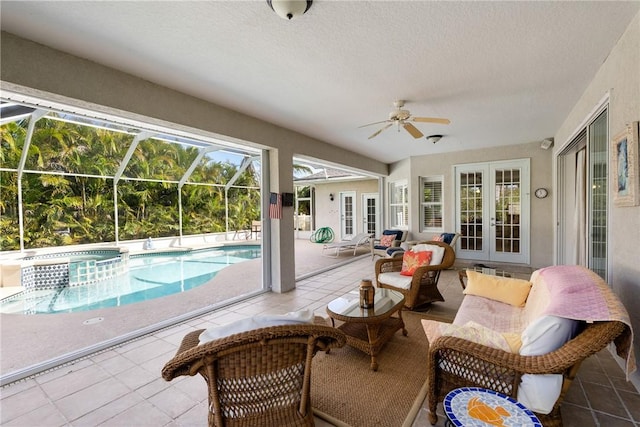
(399, 206)
(431, 204)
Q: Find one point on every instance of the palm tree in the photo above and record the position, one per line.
(11, 141)
(78, 197)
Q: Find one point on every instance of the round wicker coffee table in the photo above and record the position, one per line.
(368, 329)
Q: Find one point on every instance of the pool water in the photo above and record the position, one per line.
(150, 276)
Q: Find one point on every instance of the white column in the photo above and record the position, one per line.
(283, 268)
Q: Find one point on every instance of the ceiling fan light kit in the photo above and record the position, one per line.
(288, 9)
(401, 119)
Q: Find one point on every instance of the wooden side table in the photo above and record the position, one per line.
(479, 407)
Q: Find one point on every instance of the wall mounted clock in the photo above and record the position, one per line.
(541, 193)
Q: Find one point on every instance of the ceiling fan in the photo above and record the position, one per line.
(402, 118)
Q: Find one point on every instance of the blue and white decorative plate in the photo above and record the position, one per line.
(479, 407)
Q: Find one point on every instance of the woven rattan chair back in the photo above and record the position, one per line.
(256, 378)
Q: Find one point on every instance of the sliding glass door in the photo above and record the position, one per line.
(583, 197)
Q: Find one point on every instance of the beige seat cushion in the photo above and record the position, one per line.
(471, 331)
(394, 278)
(500, 317)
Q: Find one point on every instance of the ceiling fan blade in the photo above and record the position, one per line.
(412, 130)
(431, 120)
(374, 123)
(378, 132)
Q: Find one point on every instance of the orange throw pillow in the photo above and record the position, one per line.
(412, 260)
(387, 240)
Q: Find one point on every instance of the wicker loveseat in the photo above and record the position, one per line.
(569, 294)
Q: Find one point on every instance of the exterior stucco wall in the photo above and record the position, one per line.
(328, 212)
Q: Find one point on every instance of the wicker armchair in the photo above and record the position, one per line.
(256, 378)
(455, 362)
(378, 249)
(424, 282)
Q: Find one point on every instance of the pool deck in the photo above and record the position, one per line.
(30, 340)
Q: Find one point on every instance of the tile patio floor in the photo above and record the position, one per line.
(121, 386)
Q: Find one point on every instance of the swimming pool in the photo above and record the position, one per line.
(150, 275)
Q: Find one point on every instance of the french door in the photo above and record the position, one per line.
(371, 213)
(347, 214)
(492, 211)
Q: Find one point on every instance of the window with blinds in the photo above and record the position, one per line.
(431, 205)
(399, 205)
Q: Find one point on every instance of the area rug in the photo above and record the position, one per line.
(346, 392)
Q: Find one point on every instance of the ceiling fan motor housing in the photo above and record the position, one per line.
(402, 120)
(399, 115)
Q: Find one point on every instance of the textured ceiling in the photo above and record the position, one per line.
(503, 72)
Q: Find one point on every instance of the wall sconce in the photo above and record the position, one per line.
(331, 197)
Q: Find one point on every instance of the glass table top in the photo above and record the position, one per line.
(348, 305)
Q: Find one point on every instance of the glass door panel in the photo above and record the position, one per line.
(370, 219)
(347, 215)
(598, 153)
(507, 209)
(471, 210)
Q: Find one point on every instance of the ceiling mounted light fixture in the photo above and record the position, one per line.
(289, 9)
(434, 138)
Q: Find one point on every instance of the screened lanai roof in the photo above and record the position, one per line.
(328, 174)
(119, 143)
(191, 167)
(315, 172)
(76, 177)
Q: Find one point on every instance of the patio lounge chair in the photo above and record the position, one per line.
(361, 239)
(448, 238)
(386, 246)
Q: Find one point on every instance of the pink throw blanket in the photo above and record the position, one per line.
(579, 293)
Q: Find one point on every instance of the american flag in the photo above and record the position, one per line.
(275, 206)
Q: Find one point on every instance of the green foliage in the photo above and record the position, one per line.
(76, 205)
